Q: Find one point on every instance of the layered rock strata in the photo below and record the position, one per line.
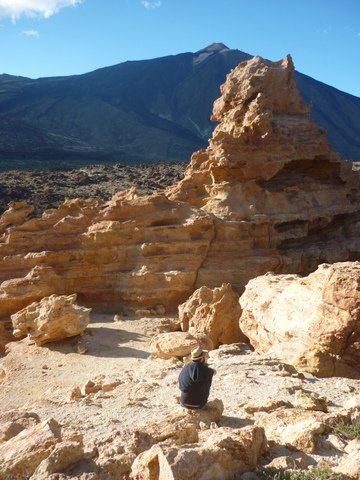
(281, 200)
(134, 251)
(267, 194)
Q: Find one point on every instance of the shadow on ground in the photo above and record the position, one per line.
(235, 422)
(103, 342)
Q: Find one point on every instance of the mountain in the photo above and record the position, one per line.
(141, 111)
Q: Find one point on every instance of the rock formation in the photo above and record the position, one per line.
(281, 200)
(224, 453)
(311, 322)
(268, 194)
(21, 455)
(213, 312)
(296, 428)
(53, 318)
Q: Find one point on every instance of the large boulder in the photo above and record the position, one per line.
(12, 422)
(22, 454)
(214, 312)
(118, 452)
(349, 465)
(313, 321)
(176, 344)
(296, 428)
(225, 452)
(63, 455)
(51, 319)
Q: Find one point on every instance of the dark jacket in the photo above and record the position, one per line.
(195, 381)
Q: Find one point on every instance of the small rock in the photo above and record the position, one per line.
(82, 346)
(287, 462)
(333, 441)
(76, 394)
(108, 386)
(268, 405)
(310, 401)
(203, 426)
(140, 313)
(160, 309)
(91, 387)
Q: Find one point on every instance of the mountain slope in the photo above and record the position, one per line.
(141, 111)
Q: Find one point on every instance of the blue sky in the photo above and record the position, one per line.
(63, 37)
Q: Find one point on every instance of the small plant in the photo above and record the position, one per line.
(346, 431)
(318, 473)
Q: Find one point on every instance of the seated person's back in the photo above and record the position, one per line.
(195, 381)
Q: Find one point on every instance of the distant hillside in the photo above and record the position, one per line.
(141, 111)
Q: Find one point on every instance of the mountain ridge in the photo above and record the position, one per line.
(141, 111)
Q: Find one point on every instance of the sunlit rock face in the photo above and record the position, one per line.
(129, 251)
(311, 322)
(281, 199)
(268, 194)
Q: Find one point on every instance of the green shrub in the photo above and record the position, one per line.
(313, 474)
(346, 431)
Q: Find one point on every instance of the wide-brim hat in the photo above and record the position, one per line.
(198, 353)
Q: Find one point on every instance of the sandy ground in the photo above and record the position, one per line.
(41, 379)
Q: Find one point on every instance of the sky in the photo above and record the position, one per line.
(41, 38)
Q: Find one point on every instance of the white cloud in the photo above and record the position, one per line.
(149, 5)
(30, 33)
(31, 8)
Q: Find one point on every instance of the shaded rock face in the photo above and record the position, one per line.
(313, 322)
(268, 194)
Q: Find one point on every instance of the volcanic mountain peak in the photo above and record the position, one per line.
(142, 111)
(214, 47)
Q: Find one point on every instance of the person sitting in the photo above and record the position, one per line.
(195, 380)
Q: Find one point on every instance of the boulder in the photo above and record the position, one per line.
(22, 454)
(225, 452)
(13, 422)
(51, 319)
(310, 401)
(214, 312)
(62, 457)
(118, 451)
(349, 465)
(172, 344)
(311, 321)
(295, 428)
